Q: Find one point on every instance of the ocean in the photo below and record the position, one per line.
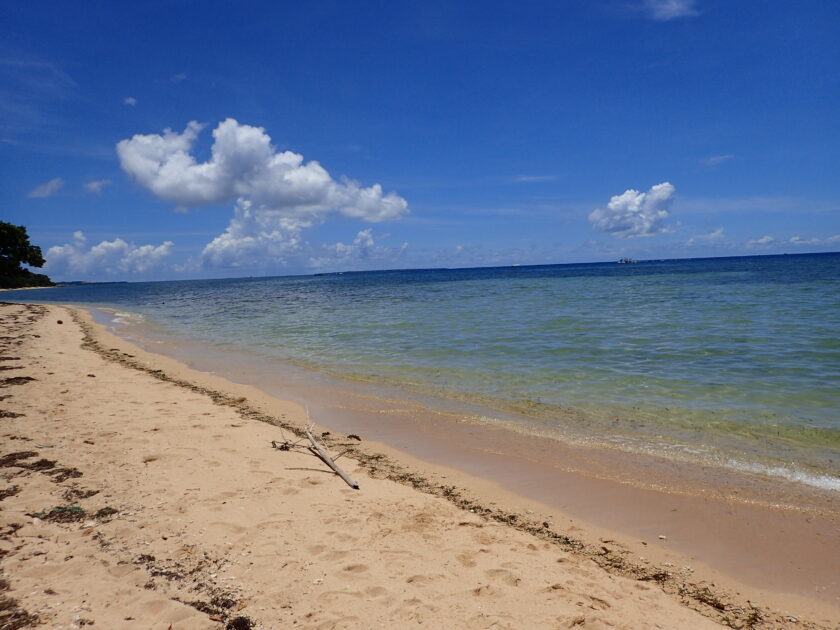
(732, 362)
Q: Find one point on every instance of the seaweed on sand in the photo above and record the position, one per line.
(15, 380)
(67, 514)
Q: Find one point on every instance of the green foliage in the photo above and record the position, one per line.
(15, 250)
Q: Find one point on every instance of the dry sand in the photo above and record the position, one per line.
(130, 500)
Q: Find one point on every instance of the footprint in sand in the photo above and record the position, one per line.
(335, 555)
(375, 591)
(418, 580)
(466, 559)
(355, 568)
(485, 590)
(598, 603)
(503, 575)
(331, 597)
(228, 528)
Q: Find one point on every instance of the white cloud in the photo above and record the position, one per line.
(717, 159)
(363, 249)
(95, 186)
(635, 213)
(712, 236)
(107, 258)
(130, 100)
(764, 240)
(277, 194)
(664, 10)
(798, 240)
(254, 238)
(794, 240)
(47, 189)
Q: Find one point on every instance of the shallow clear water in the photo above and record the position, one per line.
(735, 358)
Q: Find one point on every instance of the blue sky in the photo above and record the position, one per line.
(306, 137)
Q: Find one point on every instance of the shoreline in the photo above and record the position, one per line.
(338, 395)
(749, 532)
(435, 480)
(438, 470)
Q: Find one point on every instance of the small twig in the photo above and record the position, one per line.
(320, 452)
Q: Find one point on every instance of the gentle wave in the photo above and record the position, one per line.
(739, 356)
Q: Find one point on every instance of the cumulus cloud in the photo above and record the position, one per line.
(107, 258)
(363, 248)
(714, 235)
(277, 194)
(635, 213)
(47, 189)
(664, 10)
(96, 185)
(254, 237)
(130, 100)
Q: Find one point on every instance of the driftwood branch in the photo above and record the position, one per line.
(318, 450)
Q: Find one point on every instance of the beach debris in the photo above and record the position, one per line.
(663, 537)
(353, 436)
(15, 380)
(74, 493)
(59, 322)
(60, 475)
(105, 513)
(69, 514)
(240, 623)
(12, 616)
(318, 450)
(40, 466)
(13, 459)
(9, 492)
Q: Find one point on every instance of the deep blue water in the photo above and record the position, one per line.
(738, 358)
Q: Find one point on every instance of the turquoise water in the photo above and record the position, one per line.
(735, 360)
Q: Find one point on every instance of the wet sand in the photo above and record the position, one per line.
(198, 522)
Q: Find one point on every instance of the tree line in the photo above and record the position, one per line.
(16, 251)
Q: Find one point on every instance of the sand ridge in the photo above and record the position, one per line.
(170, 510)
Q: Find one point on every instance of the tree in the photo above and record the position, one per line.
(15, 250)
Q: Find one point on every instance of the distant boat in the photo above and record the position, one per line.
(627, 261)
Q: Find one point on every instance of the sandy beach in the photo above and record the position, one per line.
(138, 493)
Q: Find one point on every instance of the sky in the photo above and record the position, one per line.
(186, 139)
